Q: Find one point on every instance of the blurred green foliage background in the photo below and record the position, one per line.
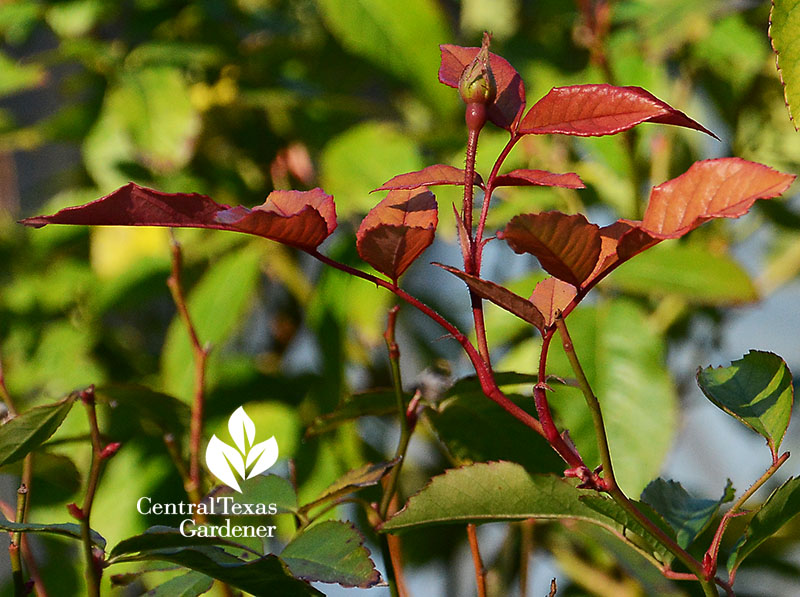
(235, 98)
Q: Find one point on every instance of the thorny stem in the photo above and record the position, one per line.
(485, 376)
(609, 483)
(712, 554)
(477, 561)
(93, 569)
(472, 264)
(194, 487)
(550, 431)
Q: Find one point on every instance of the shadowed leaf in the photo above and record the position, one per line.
(500, 296)
(781, 506)
(757, 389)
(594, 110)
(397, 230)
(332, 552)
(720, 188)
(550, 297)
(353, 480)
(67, 529)
(567, 246)
(688, 516)
(299, 218)
(507, 107)
(784, 32)
(29, 430)
(525, 177)
(190, 584)
(371, 403)
(437, 174)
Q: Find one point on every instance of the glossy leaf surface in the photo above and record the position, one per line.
(491, 492)
(299, 218)
(567, 246)
(438, 174)
(332, 552)
(594, 110)
(525, 177)
(67, 529)
(190, 584)
(29, 430)
(397, 230)
(720, 188)
(510, 100)
(757, 390)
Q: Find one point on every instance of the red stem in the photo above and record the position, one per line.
(485, 376)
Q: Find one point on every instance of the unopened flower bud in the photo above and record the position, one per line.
(477, 84)
(110, 450)
(75, 511)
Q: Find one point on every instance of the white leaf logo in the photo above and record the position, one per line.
(227, 462)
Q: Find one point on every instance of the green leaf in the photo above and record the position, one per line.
(476, 429)
(190, 584)
(353, 480)
(31, 429)
(267, 575)
(781, 506)
(492, 492)
(374, 403)
(217, 305)
(333, 552)
(163, 538)
(629, 523)
(55, 477)
(362, 159)
(624, 360)
(757, 390)
(265, 489)
(401, 36)
(67, 529)
(688, 516)
(689, 271)
(16, 77)
(784, 31)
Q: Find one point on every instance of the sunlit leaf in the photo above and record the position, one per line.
(721, 188)
(300, 218)
(492, 492)
(510, 100)
(397, 230)
(757, 390)
(550, 297)
(567, 246)
(331, 552)
(592, 110)
(438, 174)
(29, 430)
(543, 178)
(784, 31)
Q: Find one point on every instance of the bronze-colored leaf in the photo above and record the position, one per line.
(567, 246)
